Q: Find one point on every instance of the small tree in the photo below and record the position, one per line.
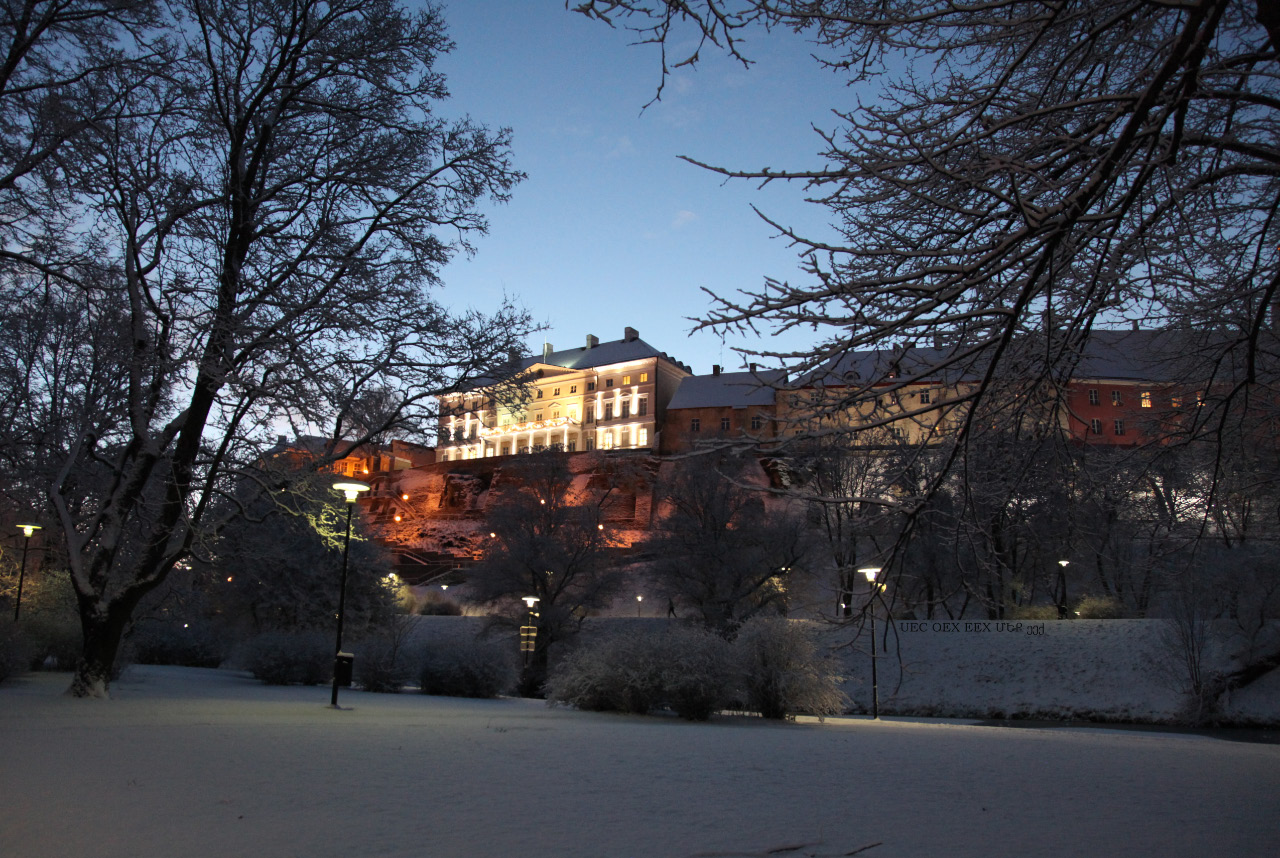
(548, 543)
(719, 548)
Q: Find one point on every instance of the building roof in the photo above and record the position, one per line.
(727, 389)
(878, 366)
(629, 348)
(1130, 355)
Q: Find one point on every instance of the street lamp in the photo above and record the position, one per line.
(27, 531)
(528, 632)
(871, 572)
(1062, 588)
(639, 599)
(351, 489)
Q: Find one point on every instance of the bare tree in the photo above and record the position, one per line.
(548, 543)
(262, 222)
(718, 548)
(1023, 172)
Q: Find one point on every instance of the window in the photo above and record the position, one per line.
(1176, 401)
(504, 450)
(644, 376)
(473, 433)
(555, 415)
(573, 445)
(608, 411)
(695, 424)
(757, 422)
(538, 417)
(590, 415)
(626, 379)
(1095, 426)
(573, 388)
(608, 382)
(555, 392)
(1116, 400)
(642, 437)
(643, 408)
(606, 441)
(573, 412)
(1119, 427)
(626, 409)
(1146, 399)
(591, 443)
(925, 397)
(1093, 396)
(724, 424)
(591, 385)
(539, 393)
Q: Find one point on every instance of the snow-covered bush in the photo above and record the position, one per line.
(783, 672)
(435, 604)
(195, 643)
(291, 658)
(1100, 608)
(468, 668)
(686, 669)
(384, 663)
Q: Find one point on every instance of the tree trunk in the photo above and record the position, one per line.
(103, 631)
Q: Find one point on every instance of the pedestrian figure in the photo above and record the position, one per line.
(671, 607)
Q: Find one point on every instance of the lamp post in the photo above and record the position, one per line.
(870, 573)
(351, 489)
(639, 599)
(27, 531)
(529, 631)
(1062, 588)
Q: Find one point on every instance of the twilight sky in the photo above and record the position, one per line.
(611, 228)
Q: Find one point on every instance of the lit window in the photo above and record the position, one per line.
(644, 376)
(1093, 396)
(695, 424)
(642, 437)
(1119, 427)
(606, 441)
(1116, 400)
(573, 413)
(1095, 426)
(724, 424)
(1146, 399)
(555, 415)
(1176, 401)
(626, 379)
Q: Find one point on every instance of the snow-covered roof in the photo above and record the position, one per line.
(727, 389)
(875, 366)
(1130, 355)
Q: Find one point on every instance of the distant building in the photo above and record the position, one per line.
(723, 406)
(601, 396)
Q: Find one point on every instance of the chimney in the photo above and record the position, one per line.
(592, 342)
(629, 334)
(282, 440)
(547, 349)
(715, 369)
(1135, 324)
(753, 369)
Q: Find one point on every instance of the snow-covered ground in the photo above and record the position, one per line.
(195, 763)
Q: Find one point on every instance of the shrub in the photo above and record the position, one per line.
(1100, 608)
(435, 604)
(782, 671)
(190, 644)
(13, 650)
(686, 669)
(468, 668)
(1032, 612)
(291, 658)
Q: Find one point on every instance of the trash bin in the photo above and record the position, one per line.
(343, 664)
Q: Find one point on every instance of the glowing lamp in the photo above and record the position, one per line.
(351, 488)
(870, 572)
(28, 530)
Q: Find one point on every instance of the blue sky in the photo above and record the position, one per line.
(611, 229)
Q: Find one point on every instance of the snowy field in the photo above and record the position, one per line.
(195, 763)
